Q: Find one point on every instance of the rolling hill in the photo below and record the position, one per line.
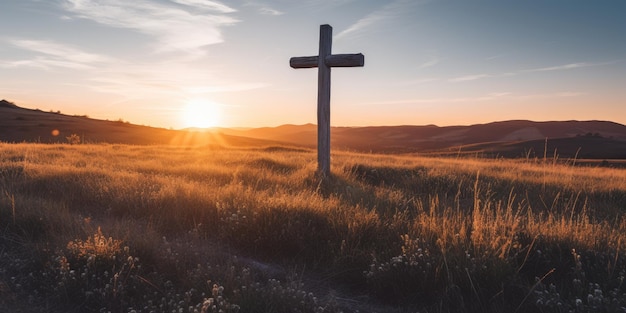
(585, 139)
(27, 125)
(517, 138)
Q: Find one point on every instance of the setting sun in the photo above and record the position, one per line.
(201, 113)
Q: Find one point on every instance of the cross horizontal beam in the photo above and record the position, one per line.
(333, 60)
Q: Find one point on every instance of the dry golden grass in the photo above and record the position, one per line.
(435, 234)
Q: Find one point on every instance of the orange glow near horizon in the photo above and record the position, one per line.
(272, 109)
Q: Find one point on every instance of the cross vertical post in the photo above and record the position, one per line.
(324, 61)
(323, 101)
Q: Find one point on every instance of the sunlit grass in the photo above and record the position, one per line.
(168, 225)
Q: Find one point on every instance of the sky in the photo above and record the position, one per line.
(182, 63)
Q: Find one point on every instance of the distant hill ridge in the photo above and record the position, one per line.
(33, 125)
(514, 138)
(7, 104)
(431, 138)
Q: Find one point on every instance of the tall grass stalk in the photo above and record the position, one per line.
(384, 233)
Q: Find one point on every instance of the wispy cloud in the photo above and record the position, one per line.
(430, 63)
(175, 28)
(58, 50)
(469, 77)
(559, 94)
(418, 81)
(263, 8)
(171, 79)
(51, 54)
(364, 22)
(43, 63)
(322, 5)
(487, 97)
(129, 79)
(270, 11)
(563, 67)
(207, 5)
(385, 13)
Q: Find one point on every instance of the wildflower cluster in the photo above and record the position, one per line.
(236, 224)
(409, 274)
(425, 272)
(216, 303)
(233, 220)
(97, 272)
(91, 275)
(96, 246)
(583, 294)
(244, 285)
(16, 278)
(594, 299)
(243, 289)
(282, 297)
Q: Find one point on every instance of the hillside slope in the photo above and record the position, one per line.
(595, 139)
(26, 125)
(517, 138)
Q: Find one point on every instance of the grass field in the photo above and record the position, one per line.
(120, 228)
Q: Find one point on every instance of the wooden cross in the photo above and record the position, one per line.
(324, 61)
